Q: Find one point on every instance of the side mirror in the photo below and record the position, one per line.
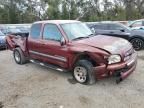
(62, 41)
(122, 30)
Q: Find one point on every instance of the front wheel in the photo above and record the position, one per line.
(83, 72)
(137, 43)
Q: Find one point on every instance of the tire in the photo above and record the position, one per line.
(138, 44)
(83, 72)
(19, 56)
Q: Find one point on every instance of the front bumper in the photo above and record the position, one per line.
(120, 70)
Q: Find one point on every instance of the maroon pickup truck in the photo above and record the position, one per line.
(67, 45)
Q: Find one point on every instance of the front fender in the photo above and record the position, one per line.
(93, 54)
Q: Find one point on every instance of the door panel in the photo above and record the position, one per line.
(54, 53)
(46, 46)
(34, 41)
(35, 46)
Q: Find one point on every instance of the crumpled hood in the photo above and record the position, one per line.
(113, 45)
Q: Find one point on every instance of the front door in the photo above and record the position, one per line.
(51, 48)
(34, 42)
(117, 30)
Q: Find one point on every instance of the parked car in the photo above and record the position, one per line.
(23, 29)
(136, 37)
(67, 45)
(15, 31)
(2, 41)
(11, 29)
(7, 31)
(3, 29)
(138, 24)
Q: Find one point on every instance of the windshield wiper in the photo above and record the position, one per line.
(80, 38)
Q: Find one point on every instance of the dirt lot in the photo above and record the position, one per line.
(33, 86)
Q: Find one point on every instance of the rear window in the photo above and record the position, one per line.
(35, 31)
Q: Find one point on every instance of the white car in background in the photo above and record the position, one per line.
(137, 24)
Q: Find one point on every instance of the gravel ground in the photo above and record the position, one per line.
(33, 86)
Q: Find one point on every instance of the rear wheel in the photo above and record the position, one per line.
(137, 43)
(83, 72)
(19, 56)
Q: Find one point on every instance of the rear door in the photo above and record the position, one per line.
(114, 30)
(34, 41)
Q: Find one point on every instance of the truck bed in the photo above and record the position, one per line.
(17, 40)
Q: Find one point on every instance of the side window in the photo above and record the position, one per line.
(51, 32)
(115, 27)
(100, 26)
(137, 24)
(35, 31)
(104, 26)
(96, 26)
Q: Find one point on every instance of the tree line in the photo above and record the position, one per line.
(28, 11)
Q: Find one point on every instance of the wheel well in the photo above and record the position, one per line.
(136, 37)
(140, 38)
(85, 57)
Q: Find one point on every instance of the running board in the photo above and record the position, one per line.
(48, 65)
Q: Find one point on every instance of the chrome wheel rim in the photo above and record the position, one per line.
(17, 56)
(137, 44)
(80, 74)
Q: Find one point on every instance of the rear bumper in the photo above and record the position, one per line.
(120, 70)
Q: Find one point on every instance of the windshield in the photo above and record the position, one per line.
(76, 30)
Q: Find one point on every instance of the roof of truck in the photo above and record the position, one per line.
(57, 21)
